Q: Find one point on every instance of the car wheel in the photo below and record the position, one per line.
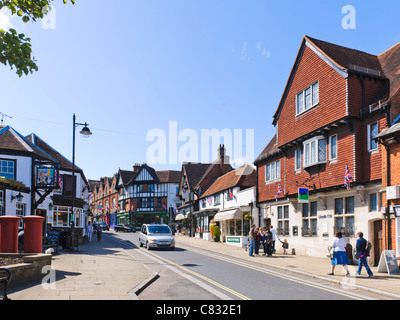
(140, 244)
(148, 245)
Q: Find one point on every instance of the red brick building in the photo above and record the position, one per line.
(334, 104)
(104, 203)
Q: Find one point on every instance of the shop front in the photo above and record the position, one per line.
(234, 227)
(202, 222)
(138, 218)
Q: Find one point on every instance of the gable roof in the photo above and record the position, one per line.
(169, 176)
(270, 150)
(194, 172)
(244, 176)
(12, 141)
(345, 60)
(65, 164)
(126, 176)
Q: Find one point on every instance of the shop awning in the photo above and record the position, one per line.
(234, 214)
(205, 212)
(180, 217)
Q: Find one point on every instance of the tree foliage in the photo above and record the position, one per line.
(15, 48)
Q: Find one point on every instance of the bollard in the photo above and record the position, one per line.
(9, 234)
(33, 226)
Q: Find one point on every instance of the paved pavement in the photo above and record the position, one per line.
(103, 270)
(98, 271)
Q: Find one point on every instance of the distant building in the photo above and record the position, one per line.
(147, 195)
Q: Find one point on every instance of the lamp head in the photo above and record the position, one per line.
(85, 131)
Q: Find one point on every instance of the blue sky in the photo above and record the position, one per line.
(129, 66)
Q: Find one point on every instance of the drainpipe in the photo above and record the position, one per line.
(388, 183)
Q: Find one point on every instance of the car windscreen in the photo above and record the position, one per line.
(159, 229)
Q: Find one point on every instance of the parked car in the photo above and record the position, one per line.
(156, 236)
(124, 228)
(104, 226)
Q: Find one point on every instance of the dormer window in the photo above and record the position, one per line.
(314, 151)
(307, 99)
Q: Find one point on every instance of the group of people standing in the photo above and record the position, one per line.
(264, 237)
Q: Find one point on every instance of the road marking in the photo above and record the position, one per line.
(170, 265)
(246, 265)
(237, 294)
(280, 275)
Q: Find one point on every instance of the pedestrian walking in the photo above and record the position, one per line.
(339, 254)
(274, 237)
(89, 231)
(363, 253)
(99, 231)
(94, 228)
(252, 237)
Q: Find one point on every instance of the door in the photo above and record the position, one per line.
(378, 241)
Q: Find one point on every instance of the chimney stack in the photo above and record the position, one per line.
(223, 158)
(136, 167)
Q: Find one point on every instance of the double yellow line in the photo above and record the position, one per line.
(237, 294)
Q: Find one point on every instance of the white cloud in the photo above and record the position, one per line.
(266, 53)
(243, 52)
(263, 50)
(5, 19)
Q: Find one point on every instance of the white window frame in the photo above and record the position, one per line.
(369, 138)
(277, 174)
(20, 211)
(296, 152)
(304, 107)
(331, 158)
(308, 159)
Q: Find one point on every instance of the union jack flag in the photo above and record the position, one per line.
(278, 192)
(347, 178)
(231, 193)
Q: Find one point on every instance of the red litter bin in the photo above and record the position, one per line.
(9, 234)
(33, 230)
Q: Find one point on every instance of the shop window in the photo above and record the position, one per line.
(309, 219)
(283, 220)
(344, 216)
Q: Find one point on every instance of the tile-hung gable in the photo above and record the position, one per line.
(335, 102)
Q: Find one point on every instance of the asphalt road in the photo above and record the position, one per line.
(187, 273)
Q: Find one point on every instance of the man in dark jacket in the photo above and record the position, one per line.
(363, 253)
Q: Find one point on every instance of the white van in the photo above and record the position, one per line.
(156, 236)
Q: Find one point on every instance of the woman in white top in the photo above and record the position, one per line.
(339, 255)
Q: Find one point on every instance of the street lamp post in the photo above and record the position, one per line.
(86, 133)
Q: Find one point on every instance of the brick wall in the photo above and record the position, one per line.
(332, 98)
